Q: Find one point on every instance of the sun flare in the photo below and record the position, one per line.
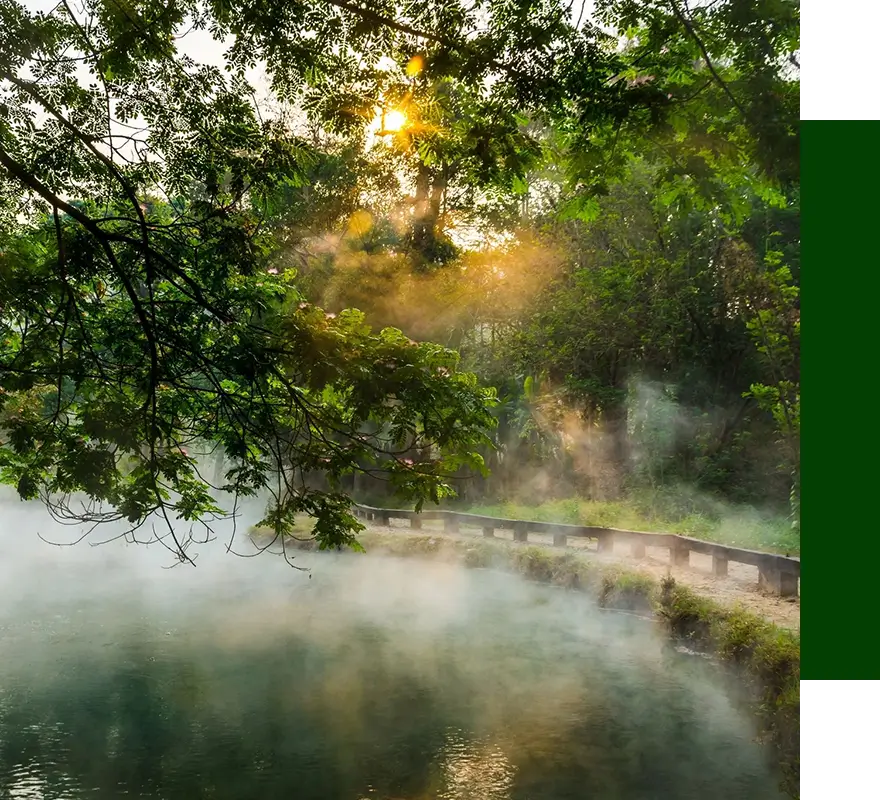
(394, 121)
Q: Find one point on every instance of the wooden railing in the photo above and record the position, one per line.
(776, 573)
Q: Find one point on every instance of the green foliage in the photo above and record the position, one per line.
(775, 327)
(153, 221)
(646, 335)
(139, 333)
(705, 58)
(278, 383)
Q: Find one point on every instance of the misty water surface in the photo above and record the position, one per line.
(374, 678)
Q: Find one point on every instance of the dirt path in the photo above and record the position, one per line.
(740, 587)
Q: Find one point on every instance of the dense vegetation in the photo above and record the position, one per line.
(573, 244)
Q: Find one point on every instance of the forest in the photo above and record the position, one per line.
(537, 254)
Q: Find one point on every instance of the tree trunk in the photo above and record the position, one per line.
(430, 190)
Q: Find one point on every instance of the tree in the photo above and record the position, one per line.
(643, 341)
(712, 101)
(145, 200)
(140, 317)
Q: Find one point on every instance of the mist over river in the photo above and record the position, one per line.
(367, 677)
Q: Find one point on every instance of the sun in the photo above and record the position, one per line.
(393, 121)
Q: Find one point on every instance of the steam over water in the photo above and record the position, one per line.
(374, 678)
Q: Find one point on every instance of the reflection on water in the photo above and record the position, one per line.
(373, 680)
(472, 769)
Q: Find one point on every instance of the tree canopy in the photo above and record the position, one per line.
(164, 249)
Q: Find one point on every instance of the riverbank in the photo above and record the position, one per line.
(739, 587)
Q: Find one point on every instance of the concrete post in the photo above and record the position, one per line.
(680, 556)
(638, 549)
(605, 544)
(415, 521)
(719, 566)
(560, 540)
(771, 579)
(450, 524)
(788, 584)
(520, 532)
(488, 532)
